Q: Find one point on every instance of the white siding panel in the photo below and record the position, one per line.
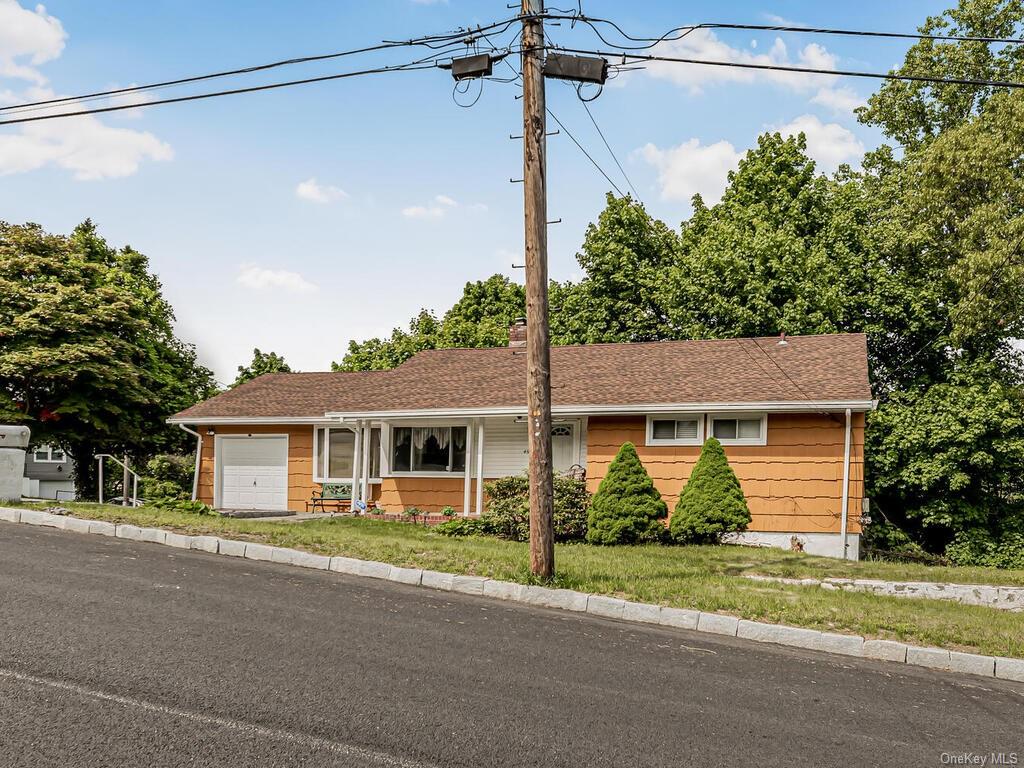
(505, 447)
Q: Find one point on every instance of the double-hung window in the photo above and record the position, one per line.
(681, 429)
(428, 449)
(46, 454)
(335, 454)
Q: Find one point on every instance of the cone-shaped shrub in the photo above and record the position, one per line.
(627, 508)
(712, 502)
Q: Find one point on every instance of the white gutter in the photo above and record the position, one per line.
(199, 456)
(252, 420)
(846, 487)
(795, 406)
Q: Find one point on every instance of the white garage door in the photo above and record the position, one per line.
(253, 472)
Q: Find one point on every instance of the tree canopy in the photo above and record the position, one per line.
(921, 247)
(480, 318)
(88, 355)
(262, 362)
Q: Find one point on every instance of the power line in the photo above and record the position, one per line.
(804, 70)
(681, 31)
(193, 79)
(411, 66)
(867, 33)
(584, 151)
(611, 151)
(446, 40)
(518, 76)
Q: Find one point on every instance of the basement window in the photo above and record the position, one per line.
(740, 429)
(675, 429)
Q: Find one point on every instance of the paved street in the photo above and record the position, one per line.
(114, 653)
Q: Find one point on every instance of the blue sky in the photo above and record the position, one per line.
(298, 219)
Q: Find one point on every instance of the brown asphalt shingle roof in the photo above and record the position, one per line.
(808, 368)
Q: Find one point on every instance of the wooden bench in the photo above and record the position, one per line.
(335, 495)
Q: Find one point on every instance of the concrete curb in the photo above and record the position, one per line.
(562, 599)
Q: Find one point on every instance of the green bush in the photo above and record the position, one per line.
(465, 526)
(627, 508)
(183, 505)
(712, 502)
(508, 508)
(168, 476)
(980, 547)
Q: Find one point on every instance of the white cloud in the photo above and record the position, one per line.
(315, 192)
(704, 44)
(35, 36)
(262, 279)
(830, 144)
(440, 206)
(692, 168)
(781, 21)
(842, 101)
(83, 145)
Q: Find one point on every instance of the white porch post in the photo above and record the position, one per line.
(364, 491)
(480, 466)
(468, 481)
(356, 449)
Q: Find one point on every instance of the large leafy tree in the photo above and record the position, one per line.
(944, 446)
(624, 258)
(262, 362)
(480, 318)
(922, 249)
(912, 113)
(88, 356)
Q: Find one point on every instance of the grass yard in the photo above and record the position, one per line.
(703, 578)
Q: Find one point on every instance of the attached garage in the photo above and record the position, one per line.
(252, 472)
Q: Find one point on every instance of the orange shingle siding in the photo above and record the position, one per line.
(794, 483)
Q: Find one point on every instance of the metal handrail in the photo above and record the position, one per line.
(124, 491)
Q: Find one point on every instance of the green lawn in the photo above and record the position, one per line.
(704, 578)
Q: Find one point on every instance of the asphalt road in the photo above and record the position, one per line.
(115, 653)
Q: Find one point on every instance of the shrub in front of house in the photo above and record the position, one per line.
(168, 476)
(465, 526)
(508, 508)
(712, 502)
(627, 508)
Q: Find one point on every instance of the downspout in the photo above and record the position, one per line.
(846, 487)
(199, 456)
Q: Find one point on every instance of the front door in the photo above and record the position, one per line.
(563, 447)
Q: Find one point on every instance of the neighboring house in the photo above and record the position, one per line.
(790, 413)
(48, 473)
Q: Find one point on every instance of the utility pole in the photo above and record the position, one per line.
(538, 351)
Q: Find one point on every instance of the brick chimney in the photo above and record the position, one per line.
(517, 333)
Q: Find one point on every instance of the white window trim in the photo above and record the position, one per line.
(49, 455)
(733, 415)
(390, 431)
(653, 441)
(318, 475)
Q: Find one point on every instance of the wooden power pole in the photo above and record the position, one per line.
(538, 351)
